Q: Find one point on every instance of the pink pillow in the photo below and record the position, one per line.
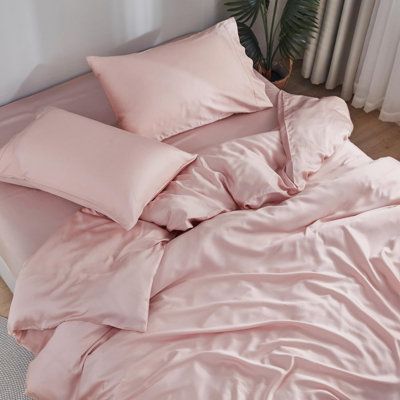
(90, 163)
(183, 84)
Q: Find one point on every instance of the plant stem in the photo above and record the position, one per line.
(264, 11)
(275, 51)
(271, 37)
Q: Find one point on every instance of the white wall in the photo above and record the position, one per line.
(44, 42)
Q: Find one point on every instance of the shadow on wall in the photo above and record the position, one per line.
(59, 35)
(50, 72)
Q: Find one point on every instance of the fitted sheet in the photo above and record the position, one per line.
(28, 216)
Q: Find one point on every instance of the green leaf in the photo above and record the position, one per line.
(298, 23)
(245, 11)
(249, 41)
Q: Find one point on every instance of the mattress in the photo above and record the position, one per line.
(28, 216)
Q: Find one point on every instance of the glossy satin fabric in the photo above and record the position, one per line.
(240, 173)
(92, 164)
(256, 170)
(183, 84)
(298, 299)
(28, 217)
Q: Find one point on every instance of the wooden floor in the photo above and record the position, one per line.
(5, 299)
(374, 137)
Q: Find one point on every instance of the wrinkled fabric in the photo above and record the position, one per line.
(311, 131)
(294, 300)
(237, 174)
(253, 171)
(104, 276)
(21, 208)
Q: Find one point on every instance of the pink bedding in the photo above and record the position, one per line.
(294, 300)
(92, 164)
(211, 184)
(197, 73)
(28, 217)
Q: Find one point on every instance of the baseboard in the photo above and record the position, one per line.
(7, 275)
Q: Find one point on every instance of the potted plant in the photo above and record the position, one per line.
(286, 35)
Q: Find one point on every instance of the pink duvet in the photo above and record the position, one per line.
(293, 296)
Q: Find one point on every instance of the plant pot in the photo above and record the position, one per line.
(280, 74)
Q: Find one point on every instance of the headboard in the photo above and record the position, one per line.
(45, 42)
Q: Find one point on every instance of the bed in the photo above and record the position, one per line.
(276, 276)
(28, 217)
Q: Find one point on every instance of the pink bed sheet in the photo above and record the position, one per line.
(295, 300)
(28, 217)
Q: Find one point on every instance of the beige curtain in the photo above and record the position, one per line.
(335, 51)
(377, 84)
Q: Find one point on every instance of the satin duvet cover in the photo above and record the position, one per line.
(268, 269)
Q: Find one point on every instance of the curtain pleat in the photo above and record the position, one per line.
(378, 78)
(334, 53)
(357, 44)
(343, 42)
(326, 41)
(311, 50)
(391, 105)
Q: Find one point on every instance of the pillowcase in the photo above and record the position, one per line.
(90, 163)
(182, 84)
